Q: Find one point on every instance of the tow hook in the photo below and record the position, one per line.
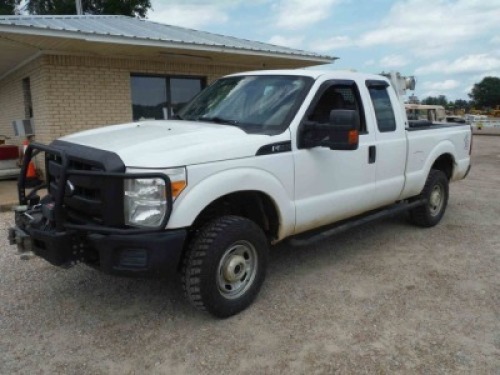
(19, 237)
(23, 242)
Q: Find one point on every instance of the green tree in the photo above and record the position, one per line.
(461, 104)
(8, 7)
(137, 8)
(436, 100)
(486, 93)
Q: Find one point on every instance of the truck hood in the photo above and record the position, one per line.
(169, 143)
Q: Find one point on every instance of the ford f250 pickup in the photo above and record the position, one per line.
(254, 159)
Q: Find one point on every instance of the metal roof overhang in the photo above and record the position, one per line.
(19, 45)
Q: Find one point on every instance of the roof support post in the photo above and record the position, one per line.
(79, 8)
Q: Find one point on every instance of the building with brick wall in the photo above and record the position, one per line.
(71, 73)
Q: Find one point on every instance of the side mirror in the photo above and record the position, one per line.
(340, 133)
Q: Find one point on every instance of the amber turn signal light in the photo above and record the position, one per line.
(177, 187)
(353, 137)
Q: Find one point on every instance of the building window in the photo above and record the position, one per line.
(161, 97)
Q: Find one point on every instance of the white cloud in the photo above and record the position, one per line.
(467, 64)
(451, 88)
(188, 15)
(298, 14)
(331, 44)
(393, 61)
(446, 85)
(422, 28)
(489, 73)
(429, 28)
(435, 67)
(293, 42)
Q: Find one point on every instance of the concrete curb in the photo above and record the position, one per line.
(480, 132)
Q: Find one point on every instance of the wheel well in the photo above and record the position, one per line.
(253, 205)
(445, 164)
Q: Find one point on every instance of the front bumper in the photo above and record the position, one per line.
(155, 254)
(151, 254)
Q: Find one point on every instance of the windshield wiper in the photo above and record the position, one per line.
(177, 117)
(219, 120)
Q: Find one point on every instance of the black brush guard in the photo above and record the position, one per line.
(60, 217)
(44, 226)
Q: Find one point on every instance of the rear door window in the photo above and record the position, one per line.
(384, 113)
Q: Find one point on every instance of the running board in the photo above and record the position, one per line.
(317, 235)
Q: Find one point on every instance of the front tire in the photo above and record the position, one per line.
(436, 193)
(225, 266)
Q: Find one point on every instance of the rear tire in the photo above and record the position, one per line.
(225, 266)
(436, 193)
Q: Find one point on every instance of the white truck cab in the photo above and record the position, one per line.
(254, 159)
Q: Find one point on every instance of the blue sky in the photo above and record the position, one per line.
(447, 44)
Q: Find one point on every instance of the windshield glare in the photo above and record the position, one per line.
(261, 103)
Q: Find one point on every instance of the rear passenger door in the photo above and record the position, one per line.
(390, 134)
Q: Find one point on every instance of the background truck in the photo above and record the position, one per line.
(433, 113)
(254, 159)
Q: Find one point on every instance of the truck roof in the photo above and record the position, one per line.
(315, 73)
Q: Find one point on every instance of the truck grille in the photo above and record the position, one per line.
(88, 199)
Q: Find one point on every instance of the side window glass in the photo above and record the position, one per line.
(337, 97)
(384, 112)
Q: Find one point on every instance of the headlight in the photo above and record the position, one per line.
(146, 202)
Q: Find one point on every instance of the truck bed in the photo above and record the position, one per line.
(424, 147)
(414, 125)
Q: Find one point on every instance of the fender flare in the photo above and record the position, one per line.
(217, 185)
(444, 147)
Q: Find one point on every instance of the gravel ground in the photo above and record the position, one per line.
(384, 298)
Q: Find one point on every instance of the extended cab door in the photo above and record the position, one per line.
(332, 185)
(389, 153)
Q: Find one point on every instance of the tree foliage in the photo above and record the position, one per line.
(442, 100)
(460, 104)
(8, 7)
(436, 100)
(486, 93)
(137, 8)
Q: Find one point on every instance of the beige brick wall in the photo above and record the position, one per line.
(12, 98)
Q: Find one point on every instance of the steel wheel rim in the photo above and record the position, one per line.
(436, 200)
(237, 269)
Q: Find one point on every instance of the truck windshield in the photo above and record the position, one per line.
(256, 103)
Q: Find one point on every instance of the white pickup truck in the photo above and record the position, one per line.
(254, 159)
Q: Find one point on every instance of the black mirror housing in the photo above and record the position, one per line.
(345, 129)
(344, 119)
(340, 133)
